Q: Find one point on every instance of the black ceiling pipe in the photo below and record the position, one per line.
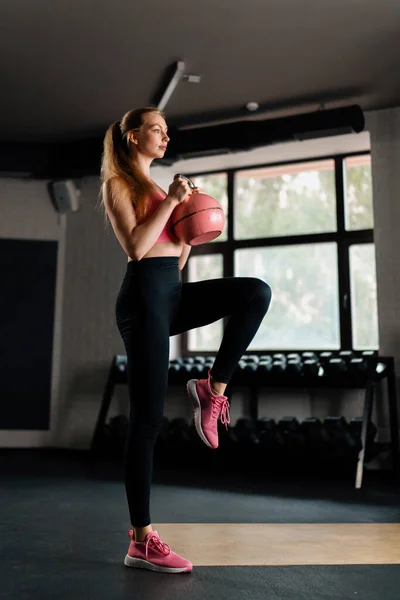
(81, 158)
(247, 135)
(51, 160)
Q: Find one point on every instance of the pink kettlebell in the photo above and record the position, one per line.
(198, 219)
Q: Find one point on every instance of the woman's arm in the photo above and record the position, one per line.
(135, 239)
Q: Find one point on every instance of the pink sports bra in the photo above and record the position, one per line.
(167, 234)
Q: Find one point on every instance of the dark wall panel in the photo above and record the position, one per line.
(27, 305)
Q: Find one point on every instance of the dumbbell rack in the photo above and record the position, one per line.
(251, 373)
(383, 369)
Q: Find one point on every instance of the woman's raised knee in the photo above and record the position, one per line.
(262, 290)
(262, 295)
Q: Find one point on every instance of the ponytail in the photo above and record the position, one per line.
(116, 162)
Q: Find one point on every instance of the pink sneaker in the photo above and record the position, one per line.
(208, 408)
(154, 555)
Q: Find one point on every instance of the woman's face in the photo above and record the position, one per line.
(152, 139)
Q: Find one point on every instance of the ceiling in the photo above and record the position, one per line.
(70, 68)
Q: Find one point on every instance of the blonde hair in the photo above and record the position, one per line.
(116, 161)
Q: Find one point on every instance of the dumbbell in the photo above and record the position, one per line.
(249, 364)
(278, 366)
(178, 432)
(311, 367)
(200, 360)
(346, 354)
(294, 366)
(342, 442)
(265, 364)
(174, 366)
(355, 427)
(270, 436)
(317, 438)
(291, 431)
(246, 431)
(336, 367)
(294, 438)
(362, 366)
(229, 450)
(248, 442)
(309, 356)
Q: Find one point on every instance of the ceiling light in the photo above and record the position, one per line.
(252, 106)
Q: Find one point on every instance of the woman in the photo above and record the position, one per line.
(153, 305)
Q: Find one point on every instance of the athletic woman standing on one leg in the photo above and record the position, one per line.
(153, 305)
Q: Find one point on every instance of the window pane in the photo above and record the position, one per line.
(209, 266)
(304, 311)
(364, 308)
(286, 200)
(359, 210)
(216, 185)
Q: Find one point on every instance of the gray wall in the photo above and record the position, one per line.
(384, 128)
(91, 266)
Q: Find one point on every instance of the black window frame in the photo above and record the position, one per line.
(343, 238)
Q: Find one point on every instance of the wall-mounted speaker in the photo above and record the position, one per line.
(65, 195)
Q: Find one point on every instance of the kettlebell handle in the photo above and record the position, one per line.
(190, 182)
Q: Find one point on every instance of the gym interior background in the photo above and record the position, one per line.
(58, 341)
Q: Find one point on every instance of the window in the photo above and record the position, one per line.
(306, 228)
(304, 283)
(282, 201)
(358, 193)
(201, 268)
(363, 297)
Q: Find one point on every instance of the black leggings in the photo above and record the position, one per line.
(152, 305)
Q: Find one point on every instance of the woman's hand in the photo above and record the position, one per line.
(179, 190)
(196, 190)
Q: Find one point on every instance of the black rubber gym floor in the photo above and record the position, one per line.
(64, 522)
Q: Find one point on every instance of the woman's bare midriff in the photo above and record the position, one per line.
(163, 249)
